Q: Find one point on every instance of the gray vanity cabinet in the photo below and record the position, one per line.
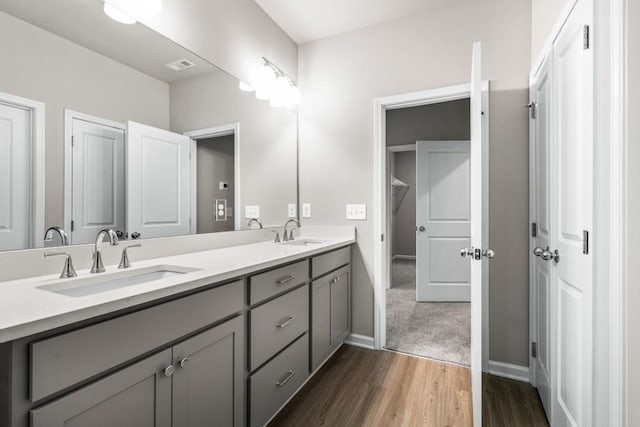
(330, 314)
(196, 382)
(137, 396)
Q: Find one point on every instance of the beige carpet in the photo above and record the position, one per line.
(439, 331)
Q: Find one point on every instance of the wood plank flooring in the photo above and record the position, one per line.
(359, 387)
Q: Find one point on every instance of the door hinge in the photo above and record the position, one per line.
(534, 229)
(73, 225)
(534, 349)
(532, 106)
(586, 37)
(382, 237)
(73, 141)
(585, 242)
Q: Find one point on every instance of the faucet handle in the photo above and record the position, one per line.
(67, 270)
(124, 260)
(277, 238)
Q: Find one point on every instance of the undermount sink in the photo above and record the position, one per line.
(104, 282)
(304, 242)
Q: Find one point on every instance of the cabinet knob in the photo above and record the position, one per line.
(168, 371)
(184, 362)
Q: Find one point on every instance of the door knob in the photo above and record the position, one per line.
(135, 235)
(464, 252)
(421, 229)
(488, 253)
(548, 255)
(538, 251)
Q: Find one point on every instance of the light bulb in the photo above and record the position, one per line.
(293, 95)
(118, 15)
(279, 93)
(245, 87)
(265, 81)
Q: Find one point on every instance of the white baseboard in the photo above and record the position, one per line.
(362, 341)
(507, 370)
(407, 257)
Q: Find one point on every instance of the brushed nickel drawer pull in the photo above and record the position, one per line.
(281, 383)
(284, 280)
(286, 322)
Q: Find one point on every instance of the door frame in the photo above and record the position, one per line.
(382, 250)
(610, 209)
(212, 132)
(36, 111)
(69, 117)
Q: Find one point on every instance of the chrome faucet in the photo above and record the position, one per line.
(64, 238)
(286, 238)
(98, 266)
(252, 220)
(67, 270)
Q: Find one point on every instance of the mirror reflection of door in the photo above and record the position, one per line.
(215, 186)
(158, 182)
(97, 177)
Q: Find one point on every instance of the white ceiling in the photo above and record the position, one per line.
(307, 20)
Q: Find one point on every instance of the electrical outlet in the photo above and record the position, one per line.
(221, 209)
(358, 212)
(306, 210)
(252, 211)
(292, 210)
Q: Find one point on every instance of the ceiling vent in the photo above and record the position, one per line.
(180, 65)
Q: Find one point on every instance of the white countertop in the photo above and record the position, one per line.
(26, 310)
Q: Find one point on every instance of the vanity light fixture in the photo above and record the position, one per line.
(275, 85)
(128, 11)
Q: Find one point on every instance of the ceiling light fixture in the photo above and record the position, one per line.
(276, 86)
(129, 11)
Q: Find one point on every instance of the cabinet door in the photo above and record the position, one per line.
(340, 307)
(137, 396)
(320, 321)
(207, 385)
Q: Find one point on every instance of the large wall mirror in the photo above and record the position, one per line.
(105, 125)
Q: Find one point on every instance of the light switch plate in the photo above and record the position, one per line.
(252, 211)
(306, 210)
(358, 212)
(291, 210)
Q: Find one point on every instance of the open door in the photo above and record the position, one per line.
(158, 182)
(478, 252)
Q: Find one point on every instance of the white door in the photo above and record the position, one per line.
(541, 92)
(98, 179)
(478, 252)
(572, 221)
(443, 223)
(15, 178)
(158, 182)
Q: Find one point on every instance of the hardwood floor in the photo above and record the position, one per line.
(359, 387)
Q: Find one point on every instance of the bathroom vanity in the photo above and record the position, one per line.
(227, 340)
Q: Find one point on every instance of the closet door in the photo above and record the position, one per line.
(541, 201)
(572, 315)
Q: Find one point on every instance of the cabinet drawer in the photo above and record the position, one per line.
(277, 323)
(270, 283)
(64, 360)
(276, 382)
(323, 264)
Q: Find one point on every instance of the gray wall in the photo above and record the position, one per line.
(340, 77)
(268, 138)
(633, 215)
(445, 121)
(403, 221)
(215, 163)
(61, 74)
(543, 16)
